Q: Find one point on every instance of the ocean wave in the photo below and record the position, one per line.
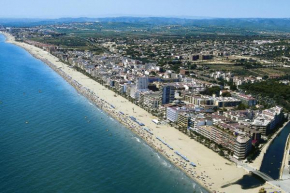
(137, 139)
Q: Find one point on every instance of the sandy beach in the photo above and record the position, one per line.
(212, 171)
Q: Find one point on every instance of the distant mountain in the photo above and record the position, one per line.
(254, 24)
(35, 22)
(251, 23)
(148, 20)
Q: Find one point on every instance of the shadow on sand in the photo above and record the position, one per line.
(248, 181)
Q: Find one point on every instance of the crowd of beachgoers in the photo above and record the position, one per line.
(145, 133)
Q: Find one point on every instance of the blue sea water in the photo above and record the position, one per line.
(54, 140)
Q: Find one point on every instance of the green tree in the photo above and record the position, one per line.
(226, 94)
(212, 90)
(242, 107)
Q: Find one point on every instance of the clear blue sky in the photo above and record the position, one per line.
(169, 8)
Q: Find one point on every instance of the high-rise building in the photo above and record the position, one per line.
(142, 83)
(242, 147)
(168, 93)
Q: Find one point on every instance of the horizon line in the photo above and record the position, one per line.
(145, 16)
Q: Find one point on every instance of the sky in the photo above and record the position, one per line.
(162, 8)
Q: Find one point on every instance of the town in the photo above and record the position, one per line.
(145, 96)
(172, 81)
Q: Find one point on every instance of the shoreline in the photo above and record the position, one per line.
(105, 106)
(207, 173)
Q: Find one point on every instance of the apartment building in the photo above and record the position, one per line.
(151, 100)
(245, 99)
(167, 94)
(142, 83)
(199, 99)
(174, 112)
(224, 102)
(268, 119)
(185, 119)
(242, 147)
(224, 138)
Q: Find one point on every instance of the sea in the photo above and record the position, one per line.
(52, 139)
